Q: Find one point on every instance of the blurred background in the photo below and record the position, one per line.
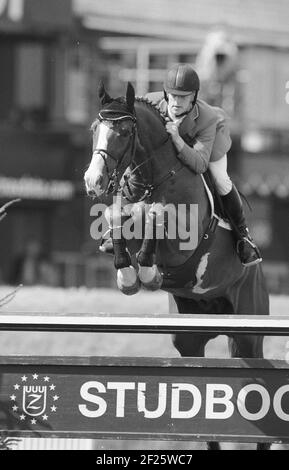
(53, 55)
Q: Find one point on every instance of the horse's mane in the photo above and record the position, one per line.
(153, 106)
(139, 99)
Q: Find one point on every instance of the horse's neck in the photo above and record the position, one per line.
(155, 152)
(157, 156)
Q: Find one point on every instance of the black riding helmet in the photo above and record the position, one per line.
(182, 79)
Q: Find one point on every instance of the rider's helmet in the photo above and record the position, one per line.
(182, 79)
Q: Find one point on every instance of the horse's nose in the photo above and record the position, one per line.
(91, 181)
(94, 187)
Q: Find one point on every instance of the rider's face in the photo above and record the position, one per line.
(179, 104)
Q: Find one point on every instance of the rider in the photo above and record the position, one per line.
(201, 136)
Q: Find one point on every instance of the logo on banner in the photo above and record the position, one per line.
(34, 399)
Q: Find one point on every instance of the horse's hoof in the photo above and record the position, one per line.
(129, 290)
(154, 284)
(213, 446)
(264, 446)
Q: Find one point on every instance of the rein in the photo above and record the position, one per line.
(149, 188)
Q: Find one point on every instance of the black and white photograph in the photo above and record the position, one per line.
(144, 228)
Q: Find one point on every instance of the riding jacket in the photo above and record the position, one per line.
(205, 131)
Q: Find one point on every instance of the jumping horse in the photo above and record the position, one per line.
(134, 158)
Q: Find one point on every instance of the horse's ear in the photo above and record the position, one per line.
(103, 95)
(130, 97)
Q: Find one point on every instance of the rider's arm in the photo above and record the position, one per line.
(197, 155)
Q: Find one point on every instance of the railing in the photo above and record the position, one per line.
(154, 323)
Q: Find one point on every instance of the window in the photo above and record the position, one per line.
(24, 81)
(30, 96)
(77, 106)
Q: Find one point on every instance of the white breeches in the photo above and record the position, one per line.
(222, 180)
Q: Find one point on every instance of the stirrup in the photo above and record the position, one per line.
(258, 259)
(253, 263)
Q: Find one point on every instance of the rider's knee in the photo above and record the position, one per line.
(224, 185)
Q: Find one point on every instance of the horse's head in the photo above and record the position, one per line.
(114, 137)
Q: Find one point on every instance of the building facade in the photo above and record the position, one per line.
(46, 107)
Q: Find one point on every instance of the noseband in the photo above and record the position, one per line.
(110, 115)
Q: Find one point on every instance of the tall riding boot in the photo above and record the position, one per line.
(248, 252)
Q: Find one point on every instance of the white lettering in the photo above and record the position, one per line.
(190, 232)
(120, 388)
(176, 400)
(86, 395)
(162, 401)
(99, 226)
(36, 188)
(241, 402)
(277, 403)
(185, 400)
(225, 400)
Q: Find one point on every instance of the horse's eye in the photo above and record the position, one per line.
(124, 131)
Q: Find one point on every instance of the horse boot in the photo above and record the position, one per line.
(127, 278)
(248, 252)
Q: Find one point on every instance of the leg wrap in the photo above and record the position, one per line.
(146, 254)
(121, 256)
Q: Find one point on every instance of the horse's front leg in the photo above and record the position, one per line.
(127, 278)
(149, 274)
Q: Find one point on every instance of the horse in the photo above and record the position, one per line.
(134, 158)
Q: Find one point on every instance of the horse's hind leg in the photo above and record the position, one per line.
(264, 446)
(248, 346)
(213, 445)
(193, 345)
(190, 345)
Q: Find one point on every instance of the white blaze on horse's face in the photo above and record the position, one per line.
(111, 143)
(96, 178)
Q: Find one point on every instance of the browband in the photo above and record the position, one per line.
(111, 115)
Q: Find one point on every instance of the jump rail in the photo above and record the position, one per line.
(153, 323)
(198, 399)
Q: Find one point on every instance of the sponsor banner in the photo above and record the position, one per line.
(36, 188)
(175, 398)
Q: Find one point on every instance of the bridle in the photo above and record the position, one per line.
(113, 184)
(113, 179)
